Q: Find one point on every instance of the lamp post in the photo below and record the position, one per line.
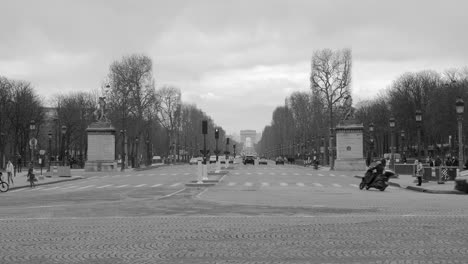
(2, 145)
(64, 131)
(50, 147)
(234, 148)
(460, 107)
(392, 140)
(32, 128)
(371, 143)
(402, 134)
(137, 142)
(418, 114)
(122, 158)
(148, 156)
(216, 138)
(332, 154)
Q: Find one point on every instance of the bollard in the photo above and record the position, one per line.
(205, 172)
(200, 172)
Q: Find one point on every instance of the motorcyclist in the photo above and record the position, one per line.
(378, 168)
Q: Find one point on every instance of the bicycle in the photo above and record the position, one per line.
(3, 185)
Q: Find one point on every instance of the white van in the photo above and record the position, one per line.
(156, 161)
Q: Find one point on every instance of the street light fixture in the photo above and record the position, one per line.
(392, 145)
(418, 114)
(64, 131)
(402, 135)
(460, 108)
(50, 146)
(32, 128)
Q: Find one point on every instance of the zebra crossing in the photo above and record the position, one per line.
(286, 174)
(295, 184)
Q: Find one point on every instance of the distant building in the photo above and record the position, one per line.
(248, 136)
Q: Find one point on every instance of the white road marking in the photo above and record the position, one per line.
(248, 184)
(141, 185)
(342, 175)
(163, 173)
(104, 186)
(231, 184)
(318, 184)
(283, 184)
(84, 187)
(260, 173)
(321, 175)
(310, 174)
(51, 188)
(265, 184)
(333, 175)
(272, 173)
(156, 185)
(300, 184)
(354, 185)
(121, 186)
(336, 185)
(296, 173)
(248, 173)
(69, 187)
(175, 184)
(174, 174)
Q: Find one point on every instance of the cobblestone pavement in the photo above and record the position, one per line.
(242, 223)
(325, 238)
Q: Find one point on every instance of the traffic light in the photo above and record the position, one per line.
(227, 141)
(216, 133)
(205, 127)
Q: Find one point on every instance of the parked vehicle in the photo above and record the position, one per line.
(212, 159)
(195, 160)
(156, 161)
(262, 161)
(222, 159)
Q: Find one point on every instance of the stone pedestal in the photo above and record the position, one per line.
(101, 147)
(349, 147)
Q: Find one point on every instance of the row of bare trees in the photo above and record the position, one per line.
(148, 121)
(304, 125)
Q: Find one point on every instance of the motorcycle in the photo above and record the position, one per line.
(379, 182)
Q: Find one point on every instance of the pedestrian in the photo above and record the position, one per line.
(455, 162)
(448, 162)
(10, 169)
(438, 161)
(18, 167)
(419, 171)
(31, 177)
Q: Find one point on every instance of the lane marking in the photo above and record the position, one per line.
(318, 184)
(174, 193)
(354, 185)
(296, 173)
(51, 188)
(336, 185)
(121, 186)
(283, 184)
(69, 187)
(104, 186)
(84, 187)
(300, 184)
(333, 175)
(231, 184)
(265, 184)
(156, 185)
(175, 184)
(248, 184)
(310, 174)
(342, 175)
(321, 175)
(141, 185)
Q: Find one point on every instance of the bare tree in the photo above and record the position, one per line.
(331, 79)
(169, 110)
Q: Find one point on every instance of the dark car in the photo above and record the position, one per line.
(249, 159)
(279, 161)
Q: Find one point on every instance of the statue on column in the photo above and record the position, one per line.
(100, 113)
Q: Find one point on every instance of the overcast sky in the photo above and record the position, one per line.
(236, 60)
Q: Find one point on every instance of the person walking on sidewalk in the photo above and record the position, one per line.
(18, 164)
(419, 172)
(31, 177)
(10, 169)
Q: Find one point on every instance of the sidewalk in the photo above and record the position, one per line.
(20, 181)
(409, 182)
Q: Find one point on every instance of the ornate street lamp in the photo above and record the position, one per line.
(402, 135)
(460, 107)
(64, 131)
(32, 128)
(50, 146)
(418, 115)
(371, 143)
(392, 144)
(122, 151)
(137, 142)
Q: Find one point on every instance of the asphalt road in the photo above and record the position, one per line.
(255, 214)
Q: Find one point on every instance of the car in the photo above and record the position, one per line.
(263, 161)
(249, 159)
(279, 160)
(195, 160)
(222, 159)
(156, 161)
(212, 159)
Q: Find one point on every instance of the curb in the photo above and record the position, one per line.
(420, 189)
(46, 183)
